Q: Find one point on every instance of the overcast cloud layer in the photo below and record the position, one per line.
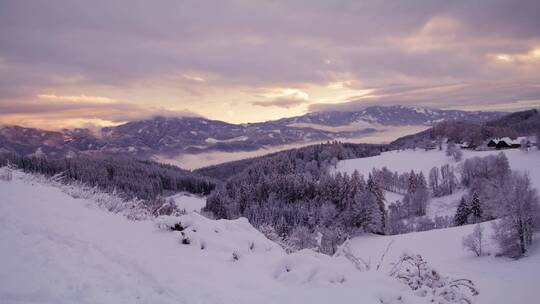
(104, 62)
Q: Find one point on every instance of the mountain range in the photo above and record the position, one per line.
(192, 135)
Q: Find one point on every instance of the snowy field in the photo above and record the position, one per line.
(421, 160)
(57, 249)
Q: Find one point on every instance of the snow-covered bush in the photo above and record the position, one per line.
(414, 271)
(6, 174)
(474, 241)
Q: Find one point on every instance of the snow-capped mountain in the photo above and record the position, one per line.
(189, 135)
(390, 116)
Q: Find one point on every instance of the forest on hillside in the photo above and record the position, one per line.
(132, 178)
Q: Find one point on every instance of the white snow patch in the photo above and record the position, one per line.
(189, 202)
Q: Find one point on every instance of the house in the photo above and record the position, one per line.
(507, 142)
(503, 144)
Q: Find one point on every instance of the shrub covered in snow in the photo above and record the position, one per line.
(414, 271)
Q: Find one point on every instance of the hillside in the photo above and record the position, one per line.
(56, 254)
(66, 250)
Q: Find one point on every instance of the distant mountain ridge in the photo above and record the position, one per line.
(475, 134)
(391, 115)
(189, 135)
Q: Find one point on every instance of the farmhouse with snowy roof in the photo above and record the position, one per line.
(507, 142)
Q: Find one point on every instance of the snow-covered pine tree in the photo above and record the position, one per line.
(475, 209)
(462, 213)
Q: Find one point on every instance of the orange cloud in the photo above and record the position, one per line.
(77, 98)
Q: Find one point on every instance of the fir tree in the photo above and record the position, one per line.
(475, 209)
(462, 213)
(377, 192)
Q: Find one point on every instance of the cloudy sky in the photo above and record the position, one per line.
(83, 63)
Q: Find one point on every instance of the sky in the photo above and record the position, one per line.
(94, 63)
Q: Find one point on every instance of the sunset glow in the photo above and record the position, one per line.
(241, 62)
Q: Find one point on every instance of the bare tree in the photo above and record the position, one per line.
(519, 210)
(474, 241)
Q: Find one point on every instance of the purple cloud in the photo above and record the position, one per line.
(401, 49)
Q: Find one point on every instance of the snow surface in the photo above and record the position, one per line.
(189, 202)
(58, 249)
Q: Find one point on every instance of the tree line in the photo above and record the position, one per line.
(133, 178)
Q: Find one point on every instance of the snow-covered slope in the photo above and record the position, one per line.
(420, 160)
(499, 280)
(58, 249)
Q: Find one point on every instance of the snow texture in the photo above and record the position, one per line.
(58, 249)
(189, 202)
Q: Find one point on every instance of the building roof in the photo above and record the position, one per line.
(510, 141)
